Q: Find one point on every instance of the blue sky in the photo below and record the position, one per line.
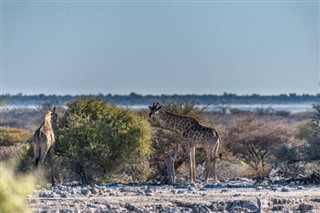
(160, 47)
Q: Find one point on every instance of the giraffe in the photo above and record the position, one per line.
(195, 135)
(44, 140)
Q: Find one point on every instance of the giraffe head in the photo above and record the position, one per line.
(154, 109)
(54, 115)
(51, 113)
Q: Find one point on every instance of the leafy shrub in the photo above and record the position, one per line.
(10, 136)
(101, 141)
(25, 160)
(13, 190)
(310, 132)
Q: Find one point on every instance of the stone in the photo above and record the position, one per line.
(285, 189)
(46, 194)
(130, 207)
(277, 208)
(181, 192)
(94, 190)
(63, 194)
(305, 207)
(147, 191)
(259, 188)
(300, 188)
(316, 200)
(84, 191)
(91, 205)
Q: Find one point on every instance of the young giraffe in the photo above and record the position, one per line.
(44, 140)
(195, 136)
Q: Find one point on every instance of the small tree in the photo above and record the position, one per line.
(101, 140)
(255, 141)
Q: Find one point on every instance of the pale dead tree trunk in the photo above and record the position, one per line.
(170, 164)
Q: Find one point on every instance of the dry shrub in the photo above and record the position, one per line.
(256, 140)
(10, 152)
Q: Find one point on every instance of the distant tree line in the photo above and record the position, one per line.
(138, 99)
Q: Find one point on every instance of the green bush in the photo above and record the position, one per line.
(310, 132)
(13, 190)
(101, 141)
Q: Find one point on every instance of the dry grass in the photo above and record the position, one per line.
(8, 153)
(10, 136)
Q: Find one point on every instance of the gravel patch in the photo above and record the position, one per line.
(232, 196)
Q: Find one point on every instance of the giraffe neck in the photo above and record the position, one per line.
(176, 122)
(47, 123)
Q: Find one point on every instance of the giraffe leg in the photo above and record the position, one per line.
(208, 167)
(51, 167)
(214, 169)
(36, 152)
(44, 148)
(208, 171)
(190, 166)
(41, 159)
(193, 153)
(214, 161)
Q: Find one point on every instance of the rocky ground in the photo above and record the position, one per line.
(240, 195)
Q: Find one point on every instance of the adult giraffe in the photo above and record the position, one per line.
(44, 141)
(195, 135)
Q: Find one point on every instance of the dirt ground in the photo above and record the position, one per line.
(214, 198)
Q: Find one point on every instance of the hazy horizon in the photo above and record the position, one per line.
(160, 47)
(172, 94)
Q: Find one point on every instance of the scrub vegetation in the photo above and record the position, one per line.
(98, 142)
